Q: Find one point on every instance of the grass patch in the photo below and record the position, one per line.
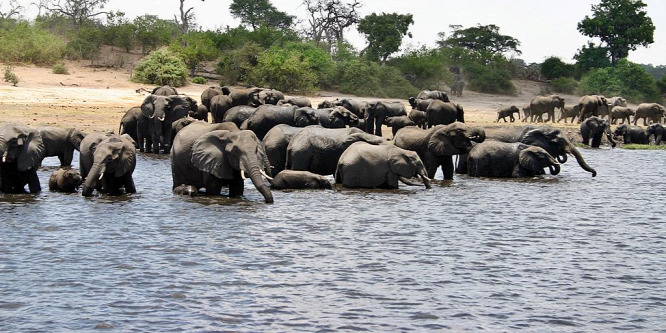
(643, 147)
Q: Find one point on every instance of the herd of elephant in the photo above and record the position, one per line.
(284, 143)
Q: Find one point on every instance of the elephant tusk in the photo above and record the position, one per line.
(243, 175)
(101, 176)
(4, 158)
(160, 119)
(263, 173)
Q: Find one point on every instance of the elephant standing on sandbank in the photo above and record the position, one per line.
(545, 104)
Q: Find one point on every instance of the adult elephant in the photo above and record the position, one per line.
(219, 105)
(437, 145)
(271, 96)
(379, 166)
(107, 163)
(301, 102)
(656, 130)
(22, 150)
(509, 160)
(605, 110)
(420, 118)
(245, 96)
(276, 142)
(527, 112)
(546, 137)
(210, 159)
(159, 112)
(444, 113)
(269, 116)
(208, 94)
(594, 128)
(164, 91)
(631, 134)
(239, 114)
(378, 111)
(433, 94)
(545, 104)
(61, 142)
(317, 149)
(129, 124)
(335, 117)
(457, 88)
(357, 107)
(397, 123)
(621, 112)
(420, 104)
(569, 112)
(591, 105)
(508, 112)
(653, 111)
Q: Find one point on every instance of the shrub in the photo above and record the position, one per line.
(85, 43)
(564, 85)
(662, 84)
(235, 65)
(60, 68)
(626, 79)
(365, 78)
(199, 80)
(161, 67)
(553, 68)
(427, 68)
(199, 48)
(10, 76)
(489, 79)
(24, 43)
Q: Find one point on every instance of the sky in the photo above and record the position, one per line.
(544, 28)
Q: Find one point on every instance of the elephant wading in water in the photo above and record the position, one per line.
(205, 157)
(631, 134)
(593, 128)
(509, 160)
(658, 131)
(296, 180)
(159, 112)
(22, 150)
(545, 104)
(276, 142)
(371, 166)
(65, 180)
(269, 116)
(436, 146)
(107, 163)
(61, 142)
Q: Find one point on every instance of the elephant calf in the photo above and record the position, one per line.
(509, 160)
(508, 112)
(65, 180)
(188, 190)
(396, 123)
(292, 179)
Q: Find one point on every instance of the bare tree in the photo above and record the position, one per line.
(77, 10)
(14, 10)
(329, 18)
(186, 17)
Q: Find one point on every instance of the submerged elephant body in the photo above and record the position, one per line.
(296, 180)
(656, 130)
(509, 160)
(65, 180)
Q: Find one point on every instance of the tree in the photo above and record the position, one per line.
(622, 25)
(260, 12)
(198, 47)
(329, 18)
(186, 18)
(78, 11)
(384, 33)
(14, 10)
(554, 67)
(482, 39)
(591, 56)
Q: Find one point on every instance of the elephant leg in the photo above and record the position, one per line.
(378, 125)
(129, 184)
(212, 184)
(33, 182)
(236, 185)
(447, 167)
(461, 167)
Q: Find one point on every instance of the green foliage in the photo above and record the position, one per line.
(657, 72)
(235, 65)
(483, 72)
(85, 43)
(199, 80)
(365, 78)
(10, 76)
(622, 25)
(120, 32)
(564, 85)
(426, 68)
(384, 33)
(264, 36)
(662, 84)
(554, 67)
(199, 48)
(153, 32)
(484, 39)
(591, 56)
(626, 79)
(60, 68)
(24, 43)
(256, 13)
(161, 67)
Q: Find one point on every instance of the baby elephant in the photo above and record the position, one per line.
(188, 190)
(65, 180)
(292, 179)
(508, 112)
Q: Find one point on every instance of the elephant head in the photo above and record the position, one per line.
(534, 159)
(407, 164)
(460, 114)
(162, 111)
(113, 157)
(347, 117)
(556, 145)
(598, 126)
(21, 145)
(225, 154)
(454, 139)
(620, 131)
(657, 130)
(305, 116)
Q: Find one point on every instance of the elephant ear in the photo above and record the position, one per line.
(148, 106)
(528, 159)
(127, 159)
(208, 154)
(75, 138)
(400, 163)
(129, 139)
(33, 152)
(440, 140)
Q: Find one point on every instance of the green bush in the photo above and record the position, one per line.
(662, 84)
(626, 79)
(365, 78)
(235, 65)
(199, 80)
(161, 67)
(60, 68)
(199, 48)
(489, 79)
(24, 43)
(553, 68)
(426, 68)
(153, 32)
(564, 85)
(10, 76)
(85, 43)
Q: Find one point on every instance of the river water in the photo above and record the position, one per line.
(561, 253)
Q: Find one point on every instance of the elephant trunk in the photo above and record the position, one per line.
(581, 161)
(609, 136)
(96, 173)
(477, 135)
(251, 168)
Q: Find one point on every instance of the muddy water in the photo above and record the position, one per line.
(563, 253)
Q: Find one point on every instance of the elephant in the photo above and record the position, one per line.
(159, 112)
(378, 111)
(569, 111)
(653, 111)
(317, 149)
(508, 112)
(457, 88)
(129, 125)
(444, 113)
(246, 96)
(239, 114)
(296, 180)
(327, 104)
(22, 149)
(164, 91)
(61, 142)
(591, 105)
(545, 104)
(657, 130)
(396, 123)
(271, 96)
(276, 142)
(219, 105)
(379, 166)
(205, 157)
(527, 112)
(182, 122)
(335, 117)
(621, 112)
(420, 118)
(65, 180)
(631, 134)
(208, 94)
(188, 190)
(301, 102)
(200, 113)
(546, 137)
(268, 116)
(358, 108)
(593, 128)
(420, 104)
(605, 110)
(107, 163)
(434, 94)
(509, 160)
(437, 145)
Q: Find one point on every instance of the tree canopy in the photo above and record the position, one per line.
(482, 38)
(384, 33)
(622, 25)
(256, 13)
(78, 11)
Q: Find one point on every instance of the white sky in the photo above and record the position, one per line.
(544, 28)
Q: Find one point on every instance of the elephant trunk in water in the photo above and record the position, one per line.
(96, 173)
(252, 169)
(575, 153)
(609, 136)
